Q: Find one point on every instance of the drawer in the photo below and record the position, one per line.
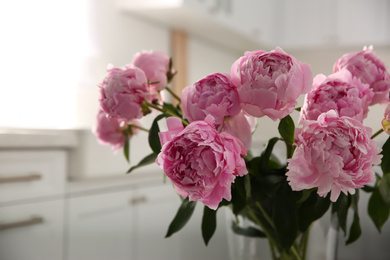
(32, 174)
(32, 231)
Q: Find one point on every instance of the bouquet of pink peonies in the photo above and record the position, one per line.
(206, 151)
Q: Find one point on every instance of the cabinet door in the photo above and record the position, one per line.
(32, 174)
(32, 231)
(100, 227)
(132, 224)
(154, 217)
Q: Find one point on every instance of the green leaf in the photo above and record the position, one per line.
(182, 216)
(311, 209)
(248, 231)
(341, 207)
(262, 163)
(154, 139)
(286, 129)
(378, 210)
(385, 165)
(267, 186)
(355, 231)
(149, 159)
(238, 200)
(368, 188)
(209, 224)
(285, 217)
(126, 149)
(273, 163)
(384, 189)
(172, 109)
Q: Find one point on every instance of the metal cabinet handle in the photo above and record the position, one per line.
(23, 178)
(137, 200)
(28, 222)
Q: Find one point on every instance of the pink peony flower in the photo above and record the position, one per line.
(216, 95)
(269, 83)
(366, 66)
(123, 91)
(334, 154)
(110, 130)
(155, 64)
(340, 92)
(241, 126)
(201, 162)
(386, 120)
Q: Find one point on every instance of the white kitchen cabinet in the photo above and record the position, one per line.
(32, 231)
(121, 224)
(131, 223)
(33, 172)
(244, 25)
(29, 174)
(99, 226)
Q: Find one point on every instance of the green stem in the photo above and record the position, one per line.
(272, 247)
(289, 150)
(155, 106)
(304, 242)
(265, 214)
(295, 252)
(377, 133)
(271, 239)
(139, 127)
(165, 112)
(173, 94)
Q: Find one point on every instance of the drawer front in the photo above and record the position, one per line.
(32, 174)
(32, 231)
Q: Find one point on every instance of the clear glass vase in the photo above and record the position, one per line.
(244, 247)
(253, 248)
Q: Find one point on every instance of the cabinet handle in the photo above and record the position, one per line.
(137, 200)
(23, 223)
(23, 178)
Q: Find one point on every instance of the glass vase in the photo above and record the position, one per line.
(243, 247)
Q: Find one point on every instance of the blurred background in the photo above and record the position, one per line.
(62, 195)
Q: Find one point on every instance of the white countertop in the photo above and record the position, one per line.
(38, 138)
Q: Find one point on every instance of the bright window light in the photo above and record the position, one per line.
(42, 48)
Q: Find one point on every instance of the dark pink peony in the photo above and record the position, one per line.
(216, 95)
(123, 91)
(110, 131)
(340, 92)
(201, 162)
(334, 154)
(269, 83)
(366, 66)
(155, 64)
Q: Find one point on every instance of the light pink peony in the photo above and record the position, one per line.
(155, 64)
(201, 162)
(340, 92)
(269, 83)
(110, 131)
(241, 126)
(334, 154)
(123, 91)
(216, 95)
(366, 66)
